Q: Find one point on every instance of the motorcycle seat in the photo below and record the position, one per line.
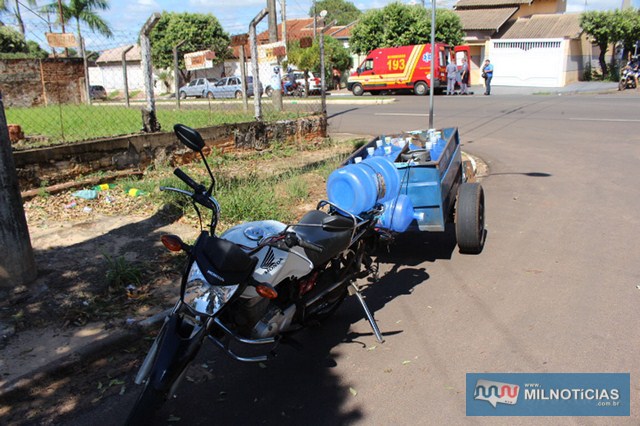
(332, 242)
(228, 260)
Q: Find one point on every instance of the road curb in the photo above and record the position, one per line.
(89, 352)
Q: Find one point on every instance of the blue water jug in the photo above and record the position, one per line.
(353, 188)
(356, 188)
(379, 151)
(386, 176)
(398, 214)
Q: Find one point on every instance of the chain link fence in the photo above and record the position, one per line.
(56, 96)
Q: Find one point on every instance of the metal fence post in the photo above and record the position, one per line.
(253, 42)
(149, 121)
(83, 52)
(243, 76)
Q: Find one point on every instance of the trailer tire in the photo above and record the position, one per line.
(357, 89)
(421, 88)
(268, 91)
(470, 231)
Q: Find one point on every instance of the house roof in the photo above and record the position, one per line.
(545, 26)
(303, 27)
(485, 19)
(115, 55)
(463, 4)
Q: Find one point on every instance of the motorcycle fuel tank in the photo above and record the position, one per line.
(274, 265)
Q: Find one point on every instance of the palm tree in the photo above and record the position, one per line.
(4, 8)
(83, 11)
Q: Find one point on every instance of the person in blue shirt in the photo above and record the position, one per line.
(487, 74)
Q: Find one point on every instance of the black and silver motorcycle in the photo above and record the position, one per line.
(248, 288)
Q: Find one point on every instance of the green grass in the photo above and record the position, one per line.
(45, 126)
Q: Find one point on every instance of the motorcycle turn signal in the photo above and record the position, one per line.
(266, 291)
(172, 242)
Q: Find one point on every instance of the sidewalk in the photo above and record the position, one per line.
(497, 90)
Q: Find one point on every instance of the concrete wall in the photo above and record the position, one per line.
(41, 82)
(66, 162)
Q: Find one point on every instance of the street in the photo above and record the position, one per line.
(555, 289)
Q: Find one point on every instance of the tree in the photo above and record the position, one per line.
(17, 265)
(83, 11)
(344, 12)
(398, 24)
(609, 28)
(11, 41)
(199, 31)
(4, 8)
(336, 56)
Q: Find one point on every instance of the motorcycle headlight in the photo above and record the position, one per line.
(204, 298)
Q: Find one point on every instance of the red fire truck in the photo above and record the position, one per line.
(404, 67)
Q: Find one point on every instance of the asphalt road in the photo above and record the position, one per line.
(555, 289)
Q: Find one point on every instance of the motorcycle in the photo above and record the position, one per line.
(294, 90)
(627, 79)
(249, 288)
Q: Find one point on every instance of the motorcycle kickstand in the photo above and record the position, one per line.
(353, 289)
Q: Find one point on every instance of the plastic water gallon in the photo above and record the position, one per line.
(438, 146)
(386, 175)
(353, 188)
(379, 151)
(358, 187)
(398, 214)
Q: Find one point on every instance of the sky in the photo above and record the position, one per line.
(127, 16)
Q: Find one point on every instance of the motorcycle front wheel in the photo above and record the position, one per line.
(149, 401)
(178, 343)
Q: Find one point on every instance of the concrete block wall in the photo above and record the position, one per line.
(66, 162)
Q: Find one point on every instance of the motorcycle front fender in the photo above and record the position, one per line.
(174, 352)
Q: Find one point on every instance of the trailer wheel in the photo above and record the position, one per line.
(357, 89)
(268, 91)
(421, 88)
(470, 231)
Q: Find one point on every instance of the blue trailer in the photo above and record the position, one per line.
(438, 188)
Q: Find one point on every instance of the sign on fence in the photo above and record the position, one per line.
(61, 39)
(199, 60)
(269, 53)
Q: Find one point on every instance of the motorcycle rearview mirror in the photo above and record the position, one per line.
(189, 137)
(337, 224)
(193, 140)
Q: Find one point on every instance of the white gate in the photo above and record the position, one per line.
(528, 62)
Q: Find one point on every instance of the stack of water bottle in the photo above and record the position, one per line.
(366, 182)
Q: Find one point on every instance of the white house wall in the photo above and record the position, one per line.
(529, 62)
(110, 76)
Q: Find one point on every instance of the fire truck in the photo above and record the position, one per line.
(404, 67)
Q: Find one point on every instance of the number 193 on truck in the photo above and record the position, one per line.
(404, 67)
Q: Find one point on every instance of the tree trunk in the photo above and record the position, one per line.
(17, 265)
(603, 63)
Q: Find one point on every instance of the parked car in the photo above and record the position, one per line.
(231, 87)
(97, 92)
(314, 83)
(198, 87)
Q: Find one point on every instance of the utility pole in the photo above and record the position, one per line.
(273, 38)
(433, 55)
(315, 21)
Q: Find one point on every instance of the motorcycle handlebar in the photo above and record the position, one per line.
(190, 182)
(292, 239)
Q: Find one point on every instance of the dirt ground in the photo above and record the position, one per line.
(76, 242)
